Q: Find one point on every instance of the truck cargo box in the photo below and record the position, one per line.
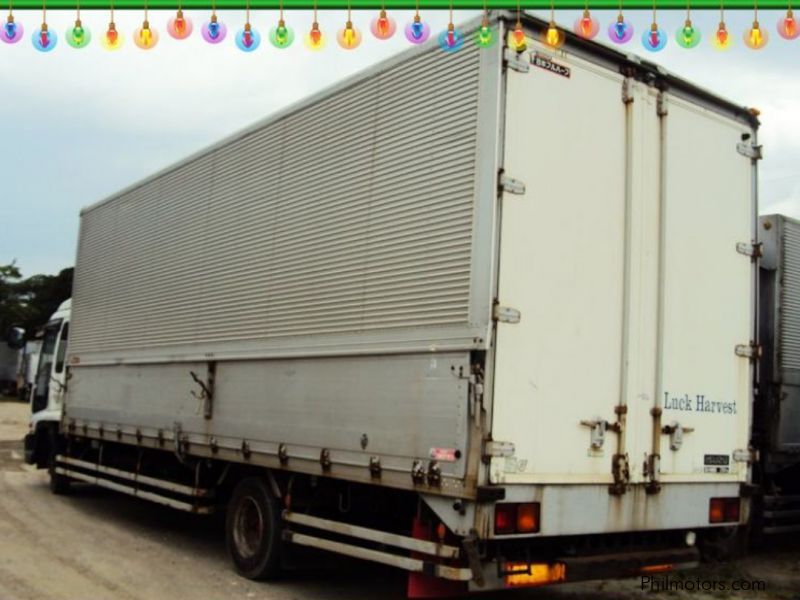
(477, 275)
(777, 423)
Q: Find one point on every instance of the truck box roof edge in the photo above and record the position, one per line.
(628, 63)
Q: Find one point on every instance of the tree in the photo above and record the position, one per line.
(28, 303)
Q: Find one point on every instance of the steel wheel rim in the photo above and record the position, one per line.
(248, 529)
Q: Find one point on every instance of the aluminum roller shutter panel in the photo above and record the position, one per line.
(790, 298)
(351, 214)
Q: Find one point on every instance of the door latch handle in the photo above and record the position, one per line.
(675, 432)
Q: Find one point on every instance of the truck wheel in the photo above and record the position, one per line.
(253, 530)
(59, 484)
(721, 544)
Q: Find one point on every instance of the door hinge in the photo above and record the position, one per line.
(752, 351)
(511, 185)
(749, 455)
(506, 314)
(661, 105)
(752, 151)
(627, 90)
(494, 449)
(754, 251)
(515, 62)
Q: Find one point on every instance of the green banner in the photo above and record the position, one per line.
(405, 4)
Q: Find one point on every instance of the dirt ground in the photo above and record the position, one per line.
(96, 544)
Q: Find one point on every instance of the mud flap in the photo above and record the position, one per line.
(422, 585)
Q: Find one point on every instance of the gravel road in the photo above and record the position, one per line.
(96, 544)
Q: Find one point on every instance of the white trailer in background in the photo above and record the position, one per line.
(505, 297)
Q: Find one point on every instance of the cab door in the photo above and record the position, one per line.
(51, 374)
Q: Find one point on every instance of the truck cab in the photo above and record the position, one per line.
(49, 388)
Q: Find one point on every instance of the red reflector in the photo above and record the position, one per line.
(505, 518)
(724, 510)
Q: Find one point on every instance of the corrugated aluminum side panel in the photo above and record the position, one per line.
(790, 297)
(351, 214)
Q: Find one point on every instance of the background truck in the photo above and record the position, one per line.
(776, 416)
(485, 316)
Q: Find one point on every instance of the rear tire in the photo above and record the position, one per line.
(722, 544)
(253, 530)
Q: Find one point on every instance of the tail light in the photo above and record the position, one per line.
(724, 510)
(512, 518)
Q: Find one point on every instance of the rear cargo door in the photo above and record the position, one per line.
(706, 294)
(560, 289)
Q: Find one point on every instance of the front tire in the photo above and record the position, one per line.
(60, 485)
(253, 530)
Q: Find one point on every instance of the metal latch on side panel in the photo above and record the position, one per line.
(515, 61)
(598, 432)
(750, 150)
(754, 251)
(511, 185)
(751, 351)
(506, 314)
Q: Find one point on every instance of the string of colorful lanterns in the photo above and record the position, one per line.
(383, 27)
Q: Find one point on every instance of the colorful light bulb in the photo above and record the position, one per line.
(248, 39)
(348, 37)
(281, 36)
(12, 31)
(383, 26)
(654, 39)
(145, 37)
(787, 26)
(516, 39)
(485, 36)
(417, 31)
(315, 40)
(451, 40)
(78, 36)
(755, 37)
(112, 39)
(587, 26)
(213, 31)
(43, 39)
(722, 38)
(553, 36)
(687, 36)
(180, 27)
(620, 31)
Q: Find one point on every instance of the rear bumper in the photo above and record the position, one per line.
(509, 575)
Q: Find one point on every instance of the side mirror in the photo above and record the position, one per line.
(15, 338)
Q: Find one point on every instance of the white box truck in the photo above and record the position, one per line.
(484, 316)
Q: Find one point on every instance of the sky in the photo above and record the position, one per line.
(78, 125)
